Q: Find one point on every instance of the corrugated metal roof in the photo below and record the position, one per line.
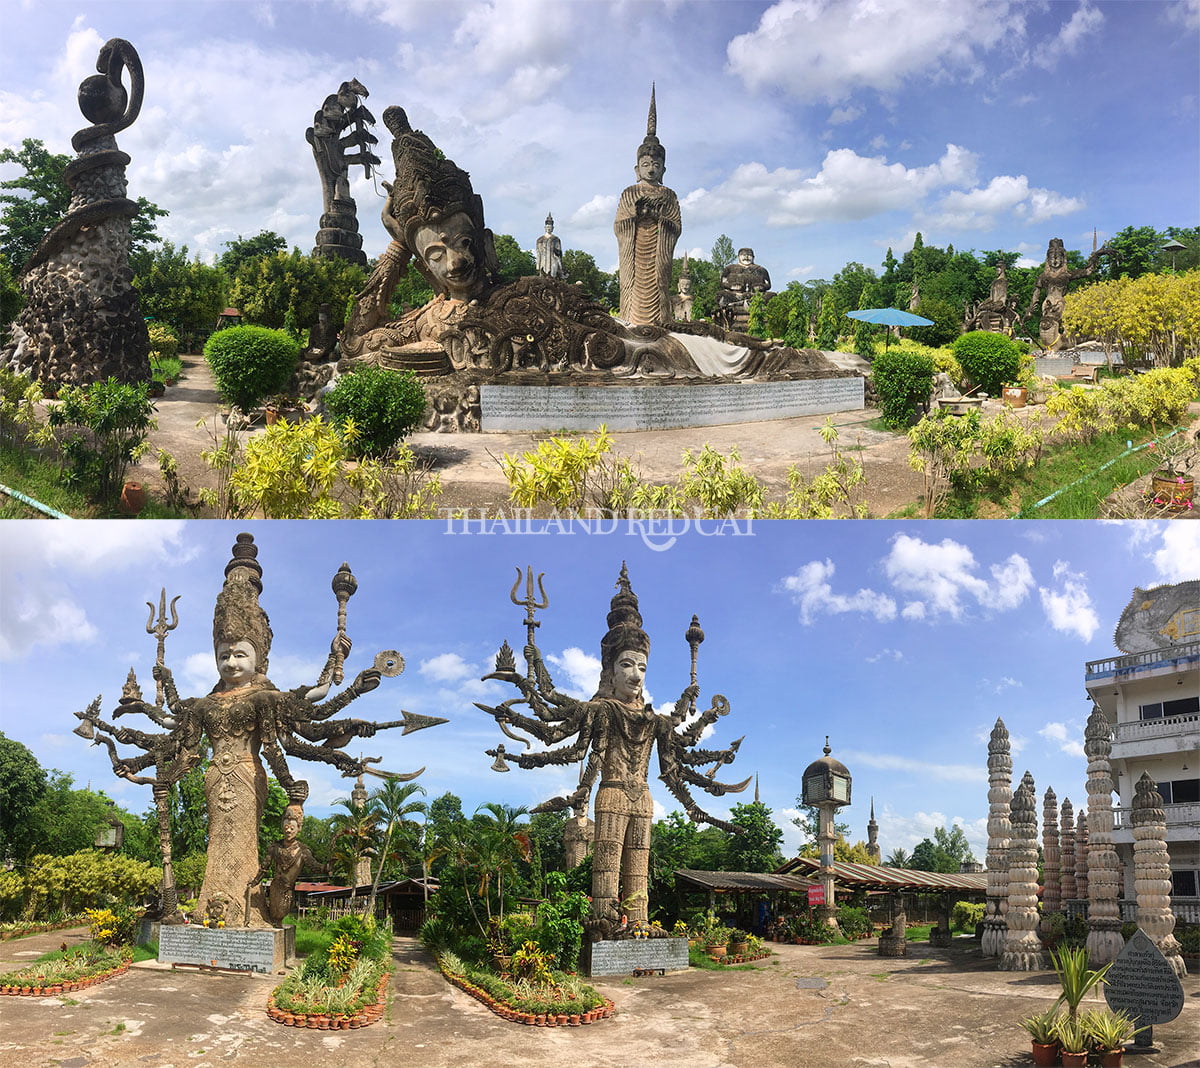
(743, 880)
(876, 877)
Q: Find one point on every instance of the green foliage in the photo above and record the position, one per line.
(723, 252)
(1042, 1026)
(903, 379)
(756, 325)
(287, 289)
(756, 848)
(412, 291)
(113, 926)
(514, 261)
(1108, 1031)
(69, 966)
(26, 217)
(22, 784)
(250, 363)
(189, 871)
(1159, 398)
(864, 340)
(11, 297)
(947, 322)
(854, 922)
(560, 921)
(946, 852)
(966, 914)
(107, 424)
(81, 880)
(1074, 976)
(385, 406)
(306, 471)
(247, 249)
(988, 360)
(582, 271)
(185, 294)
(164, 342)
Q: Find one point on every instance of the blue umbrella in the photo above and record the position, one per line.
(888, 317)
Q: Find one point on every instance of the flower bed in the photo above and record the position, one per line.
(19, 929)
(745, 958)
(77, 969)
(369, 1013)
(519, 1002)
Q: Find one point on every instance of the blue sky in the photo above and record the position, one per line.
(902, 641)
(816, 131)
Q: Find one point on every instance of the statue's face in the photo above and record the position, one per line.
(1056, 256)
(650, 169)
(685, 284)
(290, 827)
(446, 248)
(237, 662)
(628, 673)
(746, 257)
(549, 227)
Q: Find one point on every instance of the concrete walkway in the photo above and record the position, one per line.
(806, 1007)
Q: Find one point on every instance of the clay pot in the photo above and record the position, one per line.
(133, 498)
(1045, 1053)
(573, 1019)
(539, 1020)
(1074, 1060)
(1174, 491)
(1015, 396)
(1112, 1058)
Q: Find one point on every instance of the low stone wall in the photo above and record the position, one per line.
(660, 406)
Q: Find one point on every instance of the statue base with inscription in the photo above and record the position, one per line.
(628, 955)
(238, 949)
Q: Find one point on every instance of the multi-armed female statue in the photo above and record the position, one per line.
(245, 717)
(613, 734)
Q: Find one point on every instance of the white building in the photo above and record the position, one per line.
(1151, 695)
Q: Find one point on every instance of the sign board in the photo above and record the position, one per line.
(627, 955)
(1142, 983)
(243, 949)
(816, 895)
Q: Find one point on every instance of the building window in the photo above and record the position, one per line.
(1183, 883)
(1185, 791)
(1182, 707)
(1153, 711)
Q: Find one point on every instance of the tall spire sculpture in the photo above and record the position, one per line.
(1081, 856)
(1104, 939)
(1050, 858)
(999, 831)
(1152, 872)
(873, 835)
(1067, 891)
(1022, 948)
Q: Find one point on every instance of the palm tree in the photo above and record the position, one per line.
(391, 805)
(356, 830)
(501, 841)
(898, 858)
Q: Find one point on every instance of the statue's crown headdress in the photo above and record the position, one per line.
(651, 145)
(550, 219)
(624, 626)
(238, 616)
(429, 187)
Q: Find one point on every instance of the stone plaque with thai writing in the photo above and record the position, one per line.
(1141, 983)
(243, 949)
(628, 955)
(661, 406)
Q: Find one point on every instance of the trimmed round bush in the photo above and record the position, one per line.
(250, 363)
(988, 360)
(384, 405)
(903, 381)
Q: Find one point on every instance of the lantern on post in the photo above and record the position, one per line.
(826, 786)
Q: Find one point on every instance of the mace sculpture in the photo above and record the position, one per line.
(614, 735)
(246, 718)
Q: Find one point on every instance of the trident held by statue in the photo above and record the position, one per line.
(530, 604)
(344, 584)
(160, 628)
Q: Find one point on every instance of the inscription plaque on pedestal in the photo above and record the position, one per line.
(1141, 983)
(242, 949)
(633, 954)
(662, 406)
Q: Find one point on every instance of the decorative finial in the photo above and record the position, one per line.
(827, 750)
(652, 118)
(756, 801)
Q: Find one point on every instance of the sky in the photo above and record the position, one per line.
(818, 132)
(901, 641)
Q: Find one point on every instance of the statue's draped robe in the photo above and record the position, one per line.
(647, 226)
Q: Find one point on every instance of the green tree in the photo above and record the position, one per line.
(723, 252)
(1136, 249)
(22, 785)
(285, 291)
(189, 811)
(898, 858)
(808, 822)
(392, 804)
(11, 297)
(582, 271)
(756, 848)
(65, 820)
(706, 279)
(946, 852)
(514, 261)
(186, 294)
(546, 840)
(355, 835)
(499, 842)
(246, 249)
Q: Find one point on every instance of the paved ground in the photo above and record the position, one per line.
(810, 1006)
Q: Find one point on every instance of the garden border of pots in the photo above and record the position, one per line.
(42, 928)
(62, 988)
(323, 1021)
(507, 1012)
(741, 959)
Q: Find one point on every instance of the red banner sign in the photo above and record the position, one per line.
(816, 895)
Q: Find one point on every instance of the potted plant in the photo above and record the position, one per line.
(1107, 1032)
(1173, 486)
(1044, 1035)
(716, 941)
(737, 942)
(1074, 1041)
(1074, 976)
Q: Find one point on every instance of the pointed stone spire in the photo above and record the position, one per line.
(1081, 855)
(652, 120)
(1104, 939)
(873, 835)
(999, 830)
(1152, 872)
(756, 800)
(1022, 948)
(1050, 858)
(1067, 891)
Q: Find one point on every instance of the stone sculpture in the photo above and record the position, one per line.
(998, 311)
(1067, 891)
(549, 252)
(534, 330)
(999, 830)
(1054, 281)
(613, 734)
(1152, 872)
(1050, 858)
(740, 281)
(681, 303)
(82, 321)
(1022, 948)
(245, 718)
(647, 226)
(286, 859)
(1104, 939)
(341, 124)
(1081, 855)
(873, 850)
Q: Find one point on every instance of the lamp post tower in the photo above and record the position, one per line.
(826, 786)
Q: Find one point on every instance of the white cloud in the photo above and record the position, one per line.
(1178, 558)
(900, 831)
(1067, 739)
(974, 773)
(979, 208)
(582, 671)
(827, 49)
(942, 576)
(599, 211)
(811, 590)
(1084, 22)
(446, 667)
(1005, 683)
(838, 116)
(886, 654)
(1069, 609)
(1185, 13)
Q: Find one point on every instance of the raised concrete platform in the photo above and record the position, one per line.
(662, 406)
(240, 949)
(629, 955)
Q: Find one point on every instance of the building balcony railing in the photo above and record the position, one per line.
(1124, 665)
(1186, 814)
(1145, 730)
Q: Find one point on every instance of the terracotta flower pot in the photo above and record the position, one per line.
(1173, 491)
(1112, 1058)
(1045, 1053)
(1074, 1060)
(539, 1020)
(133, 498)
